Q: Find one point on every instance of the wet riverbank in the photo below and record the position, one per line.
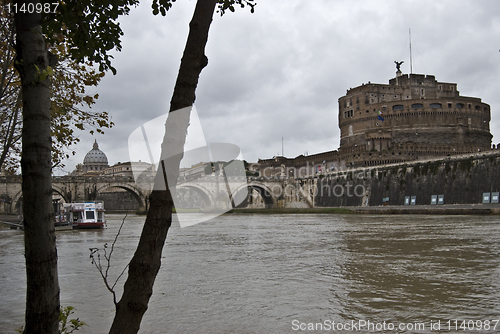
(454, 209)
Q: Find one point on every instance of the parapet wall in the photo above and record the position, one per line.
(462, 180)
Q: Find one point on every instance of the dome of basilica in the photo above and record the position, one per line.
(95, 159)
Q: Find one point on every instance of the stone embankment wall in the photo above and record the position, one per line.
(462, 180)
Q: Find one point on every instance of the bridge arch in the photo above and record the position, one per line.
(265, 192)
(61, 193)
(136, 193)
(204, 194)
(16, 202)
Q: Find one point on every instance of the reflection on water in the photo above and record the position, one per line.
(258, 273)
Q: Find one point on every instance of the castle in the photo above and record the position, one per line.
(414, 117)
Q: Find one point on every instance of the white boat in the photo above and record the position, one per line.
(85, 215)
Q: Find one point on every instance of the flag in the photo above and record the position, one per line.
(380, 118)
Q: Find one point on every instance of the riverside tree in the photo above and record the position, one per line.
(90, 28)
(146, 261)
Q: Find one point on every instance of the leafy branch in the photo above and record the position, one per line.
(66, 325)
(95, 257)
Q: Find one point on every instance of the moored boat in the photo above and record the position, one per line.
(85, 215)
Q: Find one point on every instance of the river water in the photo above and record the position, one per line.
(284, 273)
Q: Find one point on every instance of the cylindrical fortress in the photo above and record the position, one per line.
(413, 117)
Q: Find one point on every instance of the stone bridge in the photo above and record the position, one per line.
(269, 192)
(273, 192)
(72, 189)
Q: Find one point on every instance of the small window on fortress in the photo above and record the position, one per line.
(398, 107)
(417, 106)
(435, 105)
(449, 105)
(440, 87)
(459, 105)
(477, 107)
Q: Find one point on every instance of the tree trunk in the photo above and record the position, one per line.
(146, 261)
(42, 297)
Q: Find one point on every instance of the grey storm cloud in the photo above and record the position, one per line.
(278, 73)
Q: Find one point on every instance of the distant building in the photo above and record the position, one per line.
(413, 117)
(195, 172)
(300, 166)
(128, 169)
(95, 161)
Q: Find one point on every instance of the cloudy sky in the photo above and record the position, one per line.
(278, 73)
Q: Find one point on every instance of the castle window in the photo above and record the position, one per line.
(440, 87)
(477, 107)
(435, 105)
(398, 107)
(417, 106)
(449, 105)
(422, 91)
(469, 105)
(459, 105)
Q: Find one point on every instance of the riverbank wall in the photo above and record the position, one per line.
(452, 180)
